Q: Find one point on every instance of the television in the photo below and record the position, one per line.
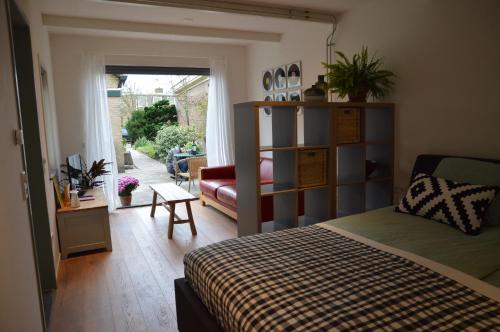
(74, 163)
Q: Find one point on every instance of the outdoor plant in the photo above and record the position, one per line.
(127, 184)
(149, 150)
(142, 141)
(360, 77)
(146, 122)
(169, 137)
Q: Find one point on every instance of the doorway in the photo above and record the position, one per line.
(158, 119)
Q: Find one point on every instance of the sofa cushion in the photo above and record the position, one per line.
(218, 172)
(227, 195)
(266, 170)
(267, 208)
(210, 187)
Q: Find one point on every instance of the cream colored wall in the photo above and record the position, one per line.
(67, 51)
(303, 41)
(446, 56)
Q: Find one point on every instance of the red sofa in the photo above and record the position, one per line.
(218, 188)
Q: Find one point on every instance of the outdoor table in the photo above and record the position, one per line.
(184, 155)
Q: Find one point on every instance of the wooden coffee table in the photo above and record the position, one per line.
(173, 194)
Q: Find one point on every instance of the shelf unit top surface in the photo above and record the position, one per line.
(271, 189)
(313, 104)
(264, 148)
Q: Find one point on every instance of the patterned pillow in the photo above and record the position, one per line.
(460, 205)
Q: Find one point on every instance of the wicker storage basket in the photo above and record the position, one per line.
(312, 167)
(348, 127)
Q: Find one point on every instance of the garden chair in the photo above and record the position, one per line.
(191, 174)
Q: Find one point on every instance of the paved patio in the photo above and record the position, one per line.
(149, 171)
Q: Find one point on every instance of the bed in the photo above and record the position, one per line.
(376, 270)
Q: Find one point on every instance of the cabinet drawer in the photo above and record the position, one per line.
(313, 167)
(348, 128)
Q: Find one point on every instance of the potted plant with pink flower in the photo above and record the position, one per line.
(127, 184)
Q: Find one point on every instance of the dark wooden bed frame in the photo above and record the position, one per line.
(193, 316)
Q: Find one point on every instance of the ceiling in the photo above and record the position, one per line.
(184, 17)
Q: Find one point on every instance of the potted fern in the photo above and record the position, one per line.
(360, 77)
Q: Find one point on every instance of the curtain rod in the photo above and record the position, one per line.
(246, 8)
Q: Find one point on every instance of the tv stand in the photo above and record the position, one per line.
(86, 227)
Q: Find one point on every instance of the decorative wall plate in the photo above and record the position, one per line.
(268, 110)
(294, 74)
(281, 96)
(280, 78)
(294, 95)
(267, 80)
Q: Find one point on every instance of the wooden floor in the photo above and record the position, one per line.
(131, 288)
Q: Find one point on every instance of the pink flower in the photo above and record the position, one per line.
(127, 184)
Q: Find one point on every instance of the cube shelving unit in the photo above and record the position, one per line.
(326, 172)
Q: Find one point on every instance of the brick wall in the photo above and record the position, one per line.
(194, 99)
(114, 106)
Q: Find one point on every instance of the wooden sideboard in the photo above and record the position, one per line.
(86, 227)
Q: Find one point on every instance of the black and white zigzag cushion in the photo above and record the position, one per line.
(460, 205)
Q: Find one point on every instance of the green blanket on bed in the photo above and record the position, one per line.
(478, 255)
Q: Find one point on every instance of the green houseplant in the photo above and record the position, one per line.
(88, 178)
(360, 77)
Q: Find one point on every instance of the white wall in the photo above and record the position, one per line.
(68, 49)
(446, 55)
(303, 41)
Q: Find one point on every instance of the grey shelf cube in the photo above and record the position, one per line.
(347, 189)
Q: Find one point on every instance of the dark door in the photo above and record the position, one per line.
(29, 137)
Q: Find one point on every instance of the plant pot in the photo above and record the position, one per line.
(358, 96)
(126, 200)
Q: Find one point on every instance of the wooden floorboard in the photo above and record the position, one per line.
(132, 288)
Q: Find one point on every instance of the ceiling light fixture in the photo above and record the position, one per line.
(246, 8)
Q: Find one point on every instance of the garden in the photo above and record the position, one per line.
(155, 130)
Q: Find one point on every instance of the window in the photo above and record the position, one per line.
(142, 101)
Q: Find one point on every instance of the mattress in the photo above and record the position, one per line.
(327, 277)
(478, 256)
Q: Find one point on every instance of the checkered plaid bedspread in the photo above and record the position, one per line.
(313, 279)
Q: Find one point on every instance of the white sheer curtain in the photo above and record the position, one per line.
(98, 136)
(51, 131)
(220, 147)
